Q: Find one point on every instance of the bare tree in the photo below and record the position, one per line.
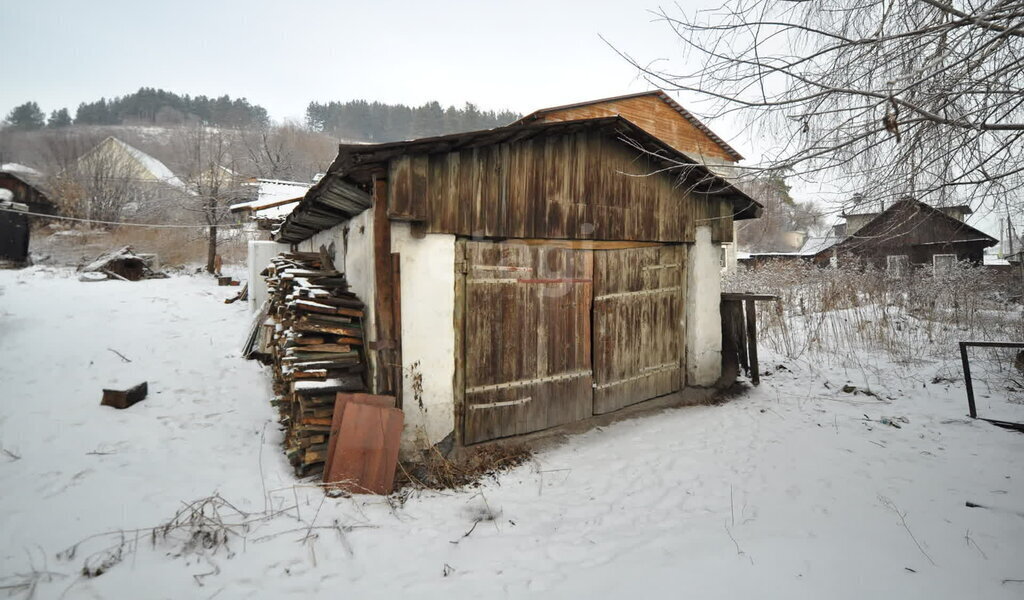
(883, 97)
(781, 217)
(104, 186)
(212, 180)
(288, 151)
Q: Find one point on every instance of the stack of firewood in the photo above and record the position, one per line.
(316, 350)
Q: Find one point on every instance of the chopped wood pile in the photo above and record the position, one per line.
(316, 350)
(123, 264)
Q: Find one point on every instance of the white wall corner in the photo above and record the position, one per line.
(428, 335)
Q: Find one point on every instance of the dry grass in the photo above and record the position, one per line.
(438, 472)
(854, 317)
(174, 247)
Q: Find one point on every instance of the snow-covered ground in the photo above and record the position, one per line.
(788, 491)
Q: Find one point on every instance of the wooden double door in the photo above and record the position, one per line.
(554, 334)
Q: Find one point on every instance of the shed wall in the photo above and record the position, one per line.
(578, 186)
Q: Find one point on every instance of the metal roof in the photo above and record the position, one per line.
(660, 94)
(344, 190)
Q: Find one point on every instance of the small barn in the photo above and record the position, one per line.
(525, 277)
(908, 233)
(27, 186)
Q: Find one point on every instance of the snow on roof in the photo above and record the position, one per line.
(275, 198)
(991, 260)
(814, 245)
(274, 190)
(156, 168)
(18, 168)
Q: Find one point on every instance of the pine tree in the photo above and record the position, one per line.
(59, 118)
(26, 116)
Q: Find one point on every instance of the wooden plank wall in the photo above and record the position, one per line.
(638, 325)
(527, 339)
(574, 186)
(654, 116)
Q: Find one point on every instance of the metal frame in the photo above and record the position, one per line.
(970, 386)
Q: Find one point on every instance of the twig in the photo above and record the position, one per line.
(903, 521)
(123, 357)
(466, 535)
(732, 507)
(317, 514)
(739, 552)
(970, 540)
(12, 454)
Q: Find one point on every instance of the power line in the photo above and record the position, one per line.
(123, 223)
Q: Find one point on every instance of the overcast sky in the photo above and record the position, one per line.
(520, 55)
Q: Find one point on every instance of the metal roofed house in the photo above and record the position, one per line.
(909, 232)
(529, 276)
(129, 161)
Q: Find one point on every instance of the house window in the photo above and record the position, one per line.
(897, 264)
(943, 263)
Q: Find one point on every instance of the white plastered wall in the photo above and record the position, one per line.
(354, 256)
(428, 335)
(703, 314)
(428, 318)
(258, 258)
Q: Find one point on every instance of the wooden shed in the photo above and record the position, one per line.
(27, 187)
(529, 276)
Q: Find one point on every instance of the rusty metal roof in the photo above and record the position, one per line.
(344, 190)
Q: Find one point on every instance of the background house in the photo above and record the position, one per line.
(27, 186)
(533, 275)
(907, 233)
(271, 201)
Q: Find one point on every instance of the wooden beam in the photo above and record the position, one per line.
(755, 374)
(396, 350)
(384, 297)
(585, 244)
(459, 383)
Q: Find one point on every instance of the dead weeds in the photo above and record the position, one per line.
(438, 472)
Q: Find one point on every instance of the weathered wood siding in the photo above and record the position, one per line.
(574, 186)
(655, 116)
(26, 194)
(527, 339)
(638, 325)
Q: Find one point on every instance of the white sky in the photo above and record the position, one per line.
(519, 55)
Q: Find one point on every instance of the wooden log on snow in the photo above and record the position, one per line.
(124, 398)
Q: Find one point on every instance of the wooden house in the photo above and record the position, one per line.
(27, 186)
(530, 276)
(908, 233)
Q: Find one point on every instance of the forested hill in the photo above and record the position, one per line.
(360, 120)
(354, 120)
(160, 107)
